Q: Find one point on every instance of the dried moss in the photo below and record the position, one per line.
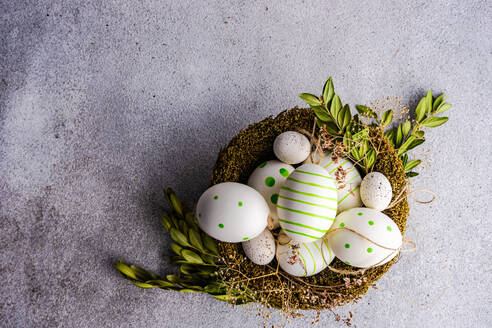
(252, 146)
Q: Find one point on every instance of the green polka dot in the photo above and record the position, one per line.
(216, 197)
(240, 204)
(369, 250)
(347, 245)
(262, 165)
(359, 214)
(371, 222)
(221, 225)
(388, 228)
(245, 238)
(342, 225)
(284, 172)
(270, 181)
(274, 198)
(347, 262)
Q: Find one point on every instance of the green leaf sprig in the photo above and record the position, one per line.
(196, 255)
(336, 119)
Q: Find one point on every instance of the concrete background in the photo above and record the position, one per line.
(103, 103)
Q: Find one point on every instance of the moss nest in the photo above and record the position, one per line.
(236, 162)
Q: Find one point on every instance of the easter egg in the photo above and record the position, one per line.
(375, 191)
(261, 249)
(307, 203)
(291, 147)
(267, 179)
(232, 212)
(384, 237)
(347, 179)
(304, 259)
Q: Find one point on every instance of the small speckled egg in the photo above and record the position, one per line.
(304, 259)
(267, 179)
(357, 251)
(307, 203)
(375, 191)
(261, 249)
(347, 178)
(291, 147)
(232, 212)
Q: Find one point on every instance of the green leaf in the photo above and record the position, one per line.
(415, 143)
(142, 274)
(405, 128)
(411, 174)
(420, 110)
(437, 102)
(176, 204)
(404, 159)
(410, 165)
(310, 99)
(370, 158)
(387, 118)
(189, 290)
(328, 91)
(405, 145)
(176, 248)
(322, 114)
(366, 111)
(210, 244)
(190, 219)
(347, 117)
(390, 134)
(161, 283)
(443, 107)
(399, 136)
(125, 270)
(335, 106)
(191, 256)
(432, 122)
(331, 128)
(179, 237)
(166, 222)
(143, 285)
(226, 297)
(195, 239)
(347, 139)
(183, 227)
(419, 134)
(187, 269)
(216, 288)
(428, 102)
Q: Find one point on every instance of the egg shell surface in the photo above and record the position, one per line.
(346, 176)
(357, 251)
(304, 259)
(267, 179)
(261, 249)
(307, 203)
(232, 212)
(291, 147)
(375, 191)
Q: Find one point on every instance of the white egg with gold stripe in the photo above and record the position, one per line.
(346, 176)
(307, 203)
(304, 259)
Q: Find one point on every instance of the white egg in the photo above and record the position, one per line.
(232, 212)
(354, 250)
(304, 259)
(267, 179)
(347, 178)
(291, 147)
(261, 249)
(307, 203)
(375, 191)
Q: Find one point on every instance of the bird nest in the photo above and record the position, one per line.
(269, 285)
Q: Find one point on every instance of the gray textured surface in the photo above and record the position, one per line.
(103, 103)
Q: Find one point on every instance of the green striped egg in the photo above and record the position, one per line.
(307, 203)
(304, 259)
(348, 179)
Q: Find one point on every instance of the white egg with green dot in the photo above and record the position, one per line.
(232, 212)
(307, 203)
(348, 183)
(304, 259)
(383, 237)
(267, 179)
